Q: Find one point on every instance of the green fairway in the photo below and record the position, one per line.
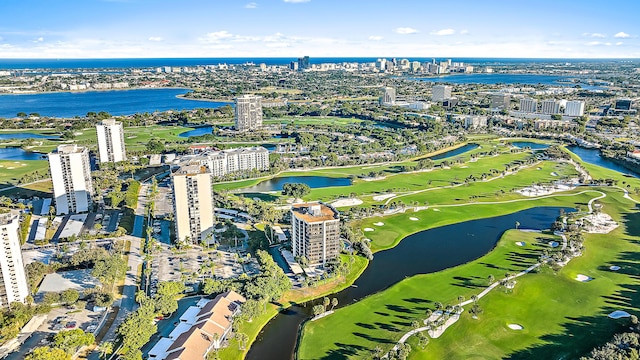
(13, 170)
(546, 305)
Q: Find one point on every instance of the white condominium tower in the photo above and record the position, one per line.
(71, 176)
(315, 232)
(528, 105)
(440, 92)
(13, 281)
(111, 141)
(574, 108)
(389, 96)
(550, 107)
(193, 204)
(248, 112)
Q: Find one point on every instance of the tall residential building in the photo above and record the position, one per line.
(193, 204)
(111, 141)
(304, 63)
(221, 163)
(13, 281)
(528, 105)
(71, 176)
(500, 101)
(574, 108)
(550, 107)
(440, 92)
(389, 96)
(315, 232)
(248, 112)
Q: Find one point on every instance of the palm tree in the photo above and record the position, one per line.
(325, 303)
(460, 299)
(517, 225)
(438, 305)
(377, 352)
(428, 313)
(474, 298)
(415, 324)
(491, 279)
(334, 303)
(106, 349)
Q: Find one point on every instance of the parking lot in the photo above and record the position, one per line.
(195, 265)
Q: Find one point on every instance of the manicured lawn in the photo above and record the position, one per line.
(12, 170)
(562, 317)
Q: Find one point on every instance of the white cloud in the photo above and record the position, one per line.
(619, 43)
(443, 32)
(251, 5)
(621, 35)
(155, 38)
(598, 35)
(405, 30)
(214, 37)
(594, 43)
(464, 32)
(375, 38)
(296, 1)
(39, 40)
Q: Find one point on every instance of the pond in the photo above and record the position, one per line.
(199, 131)
(314, 182)
(421, 253)
(455, 152)
(15, 153)
(592, 156)
(529, 144)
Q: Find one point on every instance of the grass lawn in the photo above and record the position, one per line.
(561, 316)
(12, 170)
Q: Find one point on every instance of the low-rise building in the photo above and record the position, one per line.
(201, 328)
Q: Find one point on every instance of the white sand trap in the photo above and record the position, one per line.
(346, 202)
(383, 197)
(368, 229)
(539, 168)
(413, 218)
(554, 174)
(521, 243)
(619, 314)
(436, 209)
(378, 224)
(131, 137)
(10, 167)
(553, 244)
(463, 167)
(515, 326)
(614, 268)
(583, 278)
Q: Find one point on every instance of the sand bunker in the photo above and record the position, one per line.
(515, 327)
(614, 268)
(346, 202)
(619, 314)
(598, 223)
(368, 229)
(554, 174)
(520, 243)
(536, 190)
(436, 209)
(378, 224)
(553, 244)
(383, 197)
(583, 278)
(413, 218)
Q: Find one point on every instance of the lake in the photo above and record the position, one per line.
(529, 144)
(199, 131)
(592, 156)
(454, 152)
(15, 153)
(314, 182)
(115, 102)
(26, 135)
(421, 253)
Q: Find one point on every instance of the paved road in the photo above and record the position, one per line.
(127, 302)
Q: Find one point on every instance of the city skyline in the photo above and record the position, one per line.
(328, 28)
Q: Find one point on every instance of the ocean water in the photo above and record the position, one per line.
(157, 62)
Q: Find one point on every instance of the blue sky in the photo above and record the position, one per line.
(319, 28)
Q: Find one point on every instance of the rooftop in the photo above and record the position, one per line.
(314, 212)
(69, 149)
(191, 169)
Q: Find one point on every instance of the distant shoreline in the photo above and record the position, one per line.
(98, 90)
